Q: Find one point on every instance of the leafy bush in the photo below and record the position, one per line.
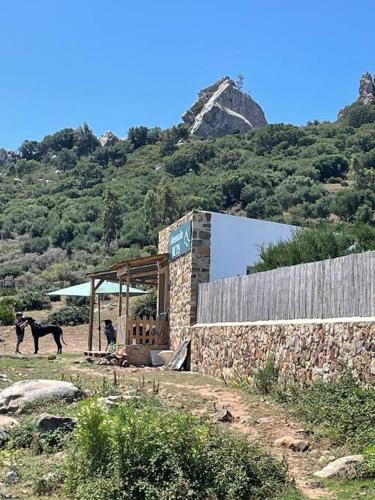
(319, 243)
(6, 311)
(343, 409)
(70, 315)
(77, 301)
(265, 378)
(22, 436)
(145, 305)
(35, 245)
(142, 450)
(51, 442)
(32, 300)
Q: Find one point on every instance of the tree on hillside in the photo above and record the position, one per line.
(112, 217)
(167, 201)
(85, 141)
(30, 150)
(138, 136)
(65, 159)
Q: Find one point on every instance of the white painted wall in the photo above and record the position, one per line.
(236, 241)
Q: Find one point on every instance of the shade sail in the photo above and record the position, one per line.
(106, 288)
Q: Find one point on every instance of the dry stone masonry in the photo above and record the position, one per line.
(306, 350)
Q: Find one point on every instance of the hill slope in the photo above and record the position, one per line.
(53, 191)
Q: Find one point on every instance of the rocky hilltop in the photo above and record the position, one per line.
(223, 108)
(367, 89)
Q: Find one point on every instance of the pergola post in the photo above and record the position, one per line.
(127, 323)
(94, 287)
(120, 298)
(91, 319)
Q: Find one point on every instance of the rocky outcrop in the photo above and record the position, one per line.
(108, 139)
(223, 108)
(7, 157)
(367, 89)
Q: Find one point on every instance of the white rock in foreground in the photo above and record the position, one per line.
(20, 394)
(341, 467)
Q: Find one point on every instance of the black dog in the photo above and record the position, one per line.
(38, 331)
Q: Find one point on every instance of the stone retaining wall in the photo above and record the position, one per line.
(308, 350)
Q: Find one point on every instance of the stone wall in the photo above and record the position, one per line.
(307, 350)
(185, 273)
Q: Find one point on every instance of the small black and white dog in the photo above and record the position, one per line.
(38, 331)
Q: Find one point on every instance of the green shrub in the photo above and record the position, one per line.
(141, 450)
(35, 245)
(77, 301)
(32, 300)
(145, 305)
(265, 378)
(341, 408)
(22, 436)
(6, 311)
(70, 315)
(50, 442)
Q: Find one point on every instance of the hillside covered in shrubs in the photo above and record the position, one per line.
(69, 203)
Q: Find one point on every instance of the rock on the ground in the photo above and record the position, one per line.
(223, 108)
(12, 477)
(47, 422)
(292, 443)
(342, 467)
(20, 394)
(225, 416)
(8, 422)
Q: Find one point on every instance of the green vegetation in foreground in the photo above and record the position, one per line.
(142, 450)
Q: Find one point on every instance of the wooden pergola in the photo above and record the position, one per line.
(148, 271)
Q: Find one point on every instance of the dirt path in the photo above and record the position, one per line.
(264, 422)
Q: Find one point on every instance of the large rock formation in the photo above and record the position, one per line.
(367, 89)
(223, 108)
(108, 139)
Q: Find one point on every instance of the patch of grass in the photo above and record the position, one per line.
(349, 490)
(341, 409)
(149, 451)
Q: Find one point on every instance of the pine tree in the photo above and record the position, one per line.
(112, 217)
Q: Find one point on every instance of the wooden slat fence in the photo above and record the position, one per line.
(143, 330)
(334, 288)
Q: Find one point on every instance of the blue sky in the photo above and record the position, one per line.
(122, 63)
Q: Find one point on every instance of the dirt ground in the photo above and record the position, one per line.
(260, 418)
(74, 336)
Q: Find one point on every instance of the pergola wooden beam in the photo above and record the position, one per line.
(94, 286)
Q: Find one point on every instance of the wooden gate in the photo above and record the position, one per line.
(142, 331)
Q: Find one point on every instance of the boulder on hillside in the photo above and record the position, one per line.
(47, 423)
(223, 108)
(16, 397)
(108, 139)
(367, 89)
(342, 467)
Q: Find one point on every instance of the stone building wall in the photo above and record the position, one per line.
(305, 350)
(185, 273)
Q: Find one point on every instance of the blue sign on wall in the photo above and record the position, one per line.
(180, 241)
